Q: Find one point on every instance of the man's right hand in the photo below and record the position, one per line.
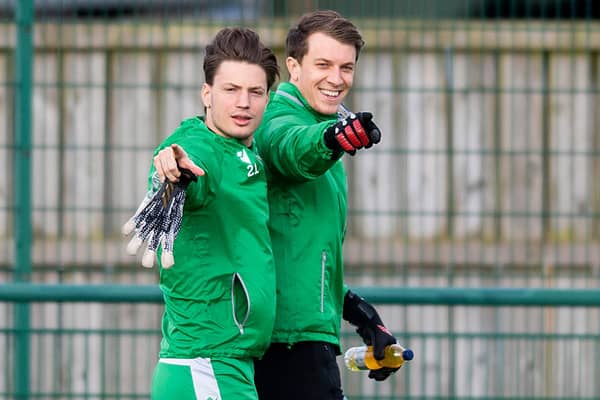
(168, 161)
(353, 133)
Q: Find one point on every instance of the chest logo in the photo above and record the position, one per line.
(251, 167)
(244, 156)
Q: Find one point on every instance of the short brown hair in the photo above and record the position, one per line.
(329, 22)
(239, 44)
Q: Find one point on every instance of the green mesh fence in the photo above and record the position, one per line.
(487, 177)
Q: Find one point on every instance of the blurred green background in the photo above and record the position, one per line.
(484, 193)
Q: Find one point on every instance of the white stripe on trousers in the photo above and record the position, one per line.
(203, 376)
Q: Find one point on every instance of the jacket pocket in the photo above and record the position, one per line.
(240, 302)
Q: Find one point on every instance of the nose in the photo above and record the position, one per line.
(244, 99)
(335, 77)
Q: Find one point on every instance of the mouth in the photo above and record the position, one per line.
(330, 94)
(242, 120)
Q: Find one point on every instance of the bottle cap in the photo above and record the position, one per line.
(408, 355)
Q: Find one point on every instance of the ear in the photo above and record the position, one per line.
(206, 88)
(293, 67)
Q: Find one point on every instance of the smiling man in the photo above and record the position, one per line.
(301, 140)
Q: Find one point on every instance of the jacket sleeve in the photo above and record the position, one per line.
(294, 149)
(202, 192)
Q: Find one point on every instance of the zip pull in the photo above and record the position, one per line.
(323, 263)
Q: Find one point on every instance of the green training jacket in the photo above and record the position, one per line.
(220, 294)
(307, 197)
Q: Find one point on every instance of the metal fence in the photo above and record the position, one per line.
(472, 344)
(487, 177)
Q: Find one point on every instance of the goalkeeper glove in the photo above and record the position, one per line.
(352, 133)
(371, 329)
(158, 219)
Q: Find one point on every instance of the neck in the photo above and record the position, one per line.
(213, 128)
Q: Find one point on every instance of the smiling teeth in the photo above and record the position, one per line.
(330, 92)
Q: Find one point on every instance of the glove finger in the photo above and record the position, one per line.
(366, 334)
(148, 259)
(372, 130)
(352, 136)
(167, 259)
(365, 117)
(375, 134)
(133, 245)
(128, 227)
(365, 140)
(381, 340)
(345, 144)
(378, 375)
(382, 373)
(379, 349)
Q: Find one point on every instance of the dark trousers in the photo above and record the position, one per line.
(304, 371)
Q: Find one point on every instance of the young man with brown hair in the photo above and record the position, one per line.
(301, 140)
(220, 293)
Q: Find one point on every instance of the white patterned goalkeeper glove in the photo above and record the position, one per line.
(158, 219)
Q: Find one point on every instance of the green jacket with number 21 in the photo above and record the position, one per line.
(220, 294)
(308, 204)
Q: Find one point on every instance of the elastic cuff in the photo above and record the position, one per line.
(327, 153)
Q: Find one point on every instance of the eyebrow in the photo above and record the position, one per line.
(352, 63)
(239, 86)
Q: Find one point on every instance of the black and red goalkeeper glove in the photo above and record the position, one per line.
(352, 133)
(371, 329)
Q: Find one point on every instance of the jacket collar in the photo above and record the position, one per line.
(292, 93)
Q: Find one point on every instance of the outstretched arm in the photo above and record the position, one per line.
(302, 151)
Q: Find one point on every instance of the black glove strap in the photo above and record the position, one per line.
(186, 177)
(358, 312)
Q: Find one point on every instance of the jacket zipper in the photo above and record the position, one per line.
(240, 325)
(323, 260)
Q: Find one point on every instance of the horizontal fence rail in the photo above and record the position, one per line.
(100, 341)
(25, 292)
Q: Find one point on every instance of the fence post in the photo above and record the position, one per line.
(22, 179)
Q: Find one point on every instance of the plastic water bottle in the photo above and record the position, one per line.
(362, 357)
